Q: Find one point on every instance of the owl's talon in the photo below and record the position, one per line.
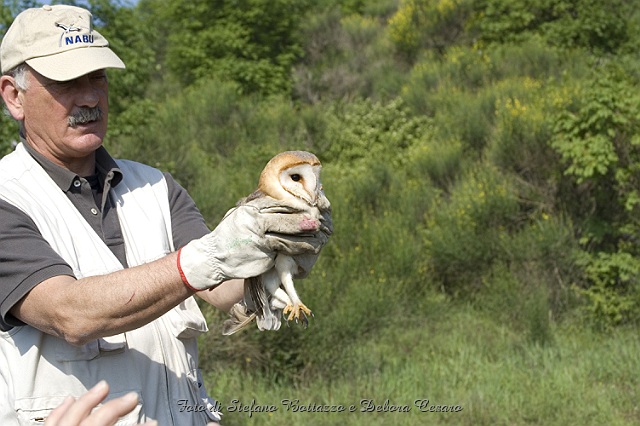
(295, 312)
(305, 320)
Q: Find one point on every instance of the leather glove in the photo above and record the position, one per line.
(246, 241)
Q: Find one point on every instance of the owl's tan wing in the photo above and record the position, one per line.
(239, 318)
(249, 308)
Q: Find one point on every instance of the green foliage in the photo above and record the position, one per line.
(363, 129)
(596, 133)
(8, 133)
(590, 135)
(455, 355)
(441, 87)
(527, 285)
(523, 302)
(612, 290)
(251, 42)
(345, 57)
(597, 137)
(440, 161)
(428, 24)
(600, 26)
(467, 90)
(519, 142)
(465, 233)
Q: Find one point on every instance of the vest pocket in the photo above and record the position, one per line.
(185, 320)
(67, 352)
(104, 346)
(34, 411)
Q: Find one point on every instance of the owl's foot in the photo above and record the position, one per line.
(298, 312)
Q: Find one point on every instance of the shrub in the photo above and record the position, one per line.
(440, 160)
(525, 305)
(611, 288)
(523, 128)
(464, 233)
(600, 26)
(346, 57)
(251, 43)
(9, 134)
(428, 24)
(439, 85)
(365, 129)
(598, 139)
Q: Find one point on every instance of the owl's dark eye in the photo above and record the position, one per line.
(295, 177)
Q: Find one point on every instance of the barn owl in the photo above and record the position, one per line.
(294, 177)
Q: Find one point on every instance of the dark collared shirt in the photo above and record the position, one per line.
(90, 195)
(27, 259)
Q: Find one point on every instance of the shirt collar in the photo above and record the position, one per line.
(106, 168)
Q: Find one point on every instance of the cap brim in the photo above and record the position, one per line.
(74, 63)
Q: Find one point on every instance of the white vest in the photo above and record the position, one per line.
(158, 360)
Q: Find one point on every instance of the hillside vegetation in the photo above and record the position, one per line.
(483, 163)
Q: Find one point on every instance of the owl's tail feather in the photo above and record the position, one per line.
(259, 300)
(256, 304)
(239, 318)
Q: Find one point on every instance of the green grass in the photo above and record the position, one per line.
(454, 355)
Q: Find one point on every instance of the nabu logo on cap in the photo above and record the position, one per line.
(69, 38)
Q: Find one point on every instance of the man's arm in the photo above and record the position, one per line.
(225, 295)
(79, 311)
(67, 308)
(36, 280)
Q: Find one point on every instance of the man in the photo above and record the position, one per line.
(91, 285)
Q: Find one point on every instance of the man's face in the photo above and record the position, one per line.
(48, 106)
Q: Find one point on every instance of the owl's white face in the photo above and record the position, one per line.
(302, 181)
(293, 176)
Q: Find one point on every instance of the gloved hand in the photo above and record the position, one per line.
(246, 241)
(306, 260)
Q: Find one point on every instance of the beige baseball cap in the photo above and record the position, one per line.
(58, 42)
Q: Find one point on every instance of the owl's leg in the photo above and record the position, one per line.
(297, 311)
(280, 299)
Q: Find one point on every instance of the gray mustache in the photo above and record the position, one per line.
(85, 115)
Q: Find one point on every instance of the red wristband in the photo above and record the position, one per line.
(183, 276)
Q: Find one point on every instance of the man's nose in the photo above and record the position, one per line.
(88, 93)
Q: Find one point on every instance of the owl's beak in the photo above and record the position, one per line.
(311, 198)
(316, 195)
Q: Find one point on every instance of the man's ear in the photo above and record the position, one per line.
(12, 96)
